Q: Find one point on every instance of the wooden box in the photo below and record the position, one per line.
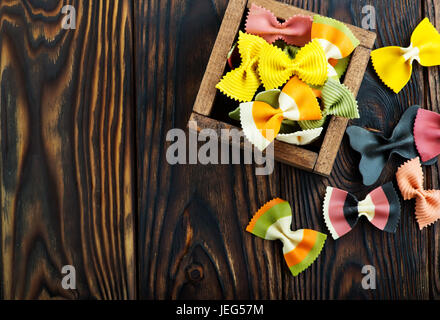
(319, 161)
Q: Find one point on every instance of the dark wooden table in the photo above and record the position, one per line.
(84, 179)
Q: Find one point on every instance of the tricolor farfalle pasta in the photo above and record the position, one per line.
(295, 31)
(325, 56)
(342, 210)
(336, 39)
(261, 122)
(300, 248)
(276, 67)
(375, 149)
(394, 64)
(410, 180)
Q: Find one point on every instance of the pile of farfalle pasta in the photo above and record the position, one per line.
(299, 63)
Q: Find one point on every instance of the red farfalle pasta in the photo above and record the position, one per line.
(295, 31)
(410, 180)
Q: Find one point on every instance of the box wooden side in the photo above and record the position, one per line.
(337, 125)
(217, 61)
(285, 153)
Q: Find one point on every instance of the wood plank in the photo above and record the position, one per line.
(66, 141)
(432, 173)
(299, 157)
(217, 61)
(400, 259)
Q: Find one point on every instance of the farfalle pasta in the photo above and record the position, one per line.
(394, 64)
(261, 122)
(276, 67)
(261, 60)
(343, 210)
(294, 31)
(336, 39)
(312, 53)
(290, 50)
(300, 248)
(290, 131)
(410, 180)
(375, 149)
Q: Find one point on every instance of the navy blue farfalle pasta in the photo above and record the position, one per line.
(375, 149)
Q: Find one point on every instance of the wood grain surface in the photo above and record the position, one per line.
(192, 242)
(84, 179)
(67, 150)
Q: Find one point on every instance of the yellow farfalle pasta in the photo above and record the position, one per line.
(394, 64)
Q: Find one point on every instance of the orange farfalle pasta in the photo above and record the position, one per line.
(410, 180)
(337, 40)
(242, 82)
